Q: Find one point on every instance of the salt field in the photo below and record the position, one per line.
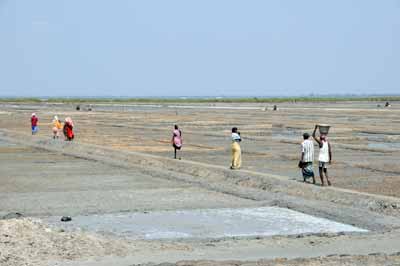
(130, 201)
(206, 223)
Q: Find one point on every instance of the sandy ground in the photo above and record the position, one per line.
(120, 162)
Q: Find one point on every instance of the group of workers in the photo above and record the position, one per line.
(58, 127)
(307, 157)
(307, 147)
(236, 161)
(307, 153)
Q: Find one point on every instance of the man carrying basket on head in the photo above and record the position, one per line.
(325, 153)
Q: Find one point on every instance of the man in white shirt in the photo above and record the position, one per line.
(307, 158)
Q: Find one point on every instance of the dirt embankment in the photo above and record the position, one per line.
(371, 260)
(29, 242)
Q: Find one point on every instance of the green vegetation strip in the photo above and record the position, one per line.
(201, 100)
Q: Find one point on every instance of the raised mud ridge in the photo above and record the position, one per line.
(369, 211)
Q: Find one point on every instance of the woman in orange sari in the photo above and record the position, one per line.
(56, 127)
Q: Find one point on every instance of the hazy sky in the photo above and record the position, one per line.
(197, 48)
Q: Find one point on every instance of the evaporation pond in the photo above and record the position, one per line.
(204, 223)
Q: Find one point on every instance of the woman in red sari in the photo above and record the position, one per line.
(68, 129)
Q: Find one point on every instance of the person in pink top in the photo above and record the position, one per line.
(176, 140)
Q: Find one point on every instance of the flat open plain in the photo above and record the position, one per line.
(121, 163)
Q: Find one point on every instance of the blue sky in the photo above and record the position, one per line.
(198, 48)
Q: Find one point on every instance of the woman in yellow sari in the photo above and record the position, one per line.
(56, 127)
(236, 151)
